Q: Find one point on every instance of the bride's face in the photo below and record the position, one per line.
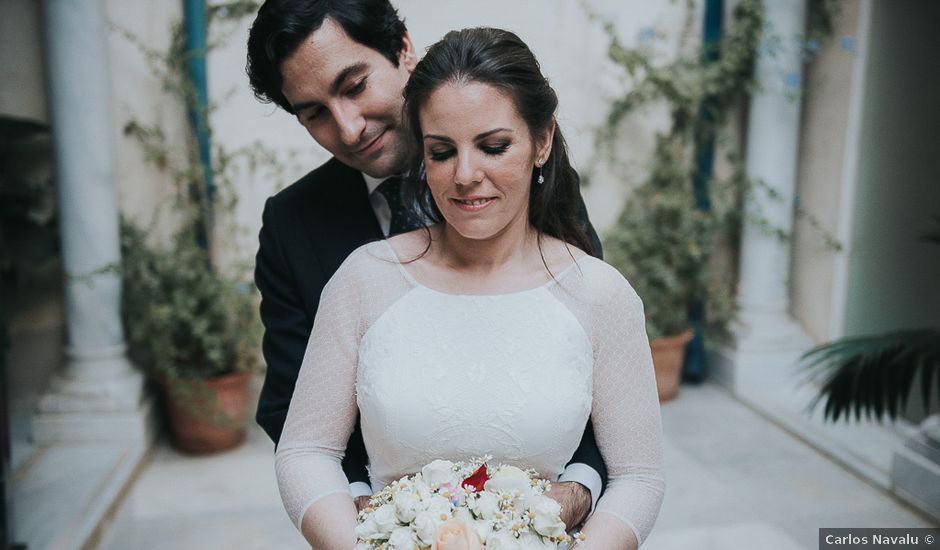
(479, 156)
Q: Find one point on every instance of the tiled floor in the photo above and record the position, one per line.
(734, 481)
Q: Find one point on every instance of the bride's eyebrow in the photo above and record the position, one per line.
(478, 137)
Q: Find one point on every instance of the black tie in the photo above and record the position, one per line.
(403, 218)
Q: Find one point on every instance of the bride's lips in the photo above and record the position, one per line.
(473, 204)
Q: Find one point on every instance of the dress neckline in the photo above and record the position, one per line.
(417, 284)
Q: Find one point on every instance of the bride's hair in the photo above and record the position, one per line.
(501, 59)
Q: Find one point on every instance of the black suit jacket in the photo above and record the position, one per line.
(308, 230)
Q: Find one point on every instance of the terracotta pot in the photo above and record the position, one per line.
(211, 418)
(668, 357)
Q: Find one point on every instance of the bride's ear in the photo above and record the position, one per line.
(544, 146)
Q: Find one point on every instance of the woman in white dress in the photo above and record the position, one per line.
(490, 332)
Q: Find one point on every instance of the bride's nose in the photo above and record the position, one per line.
(467, 172)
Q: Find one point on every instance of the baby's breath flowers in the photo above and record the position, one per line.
(463, 505)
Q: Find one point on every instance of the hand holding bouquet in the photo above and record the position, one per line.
(463, 506)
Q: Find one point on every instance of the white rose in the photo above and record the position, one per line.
(465, 515)
(438, 472)
(407, 506)
(369, 530)
(438, 505)
(484, 529)
(426, 524)
(547, 520)
(509, 479)
(502, 540)
(485, 505)
(423, 491)
(385, 519)
(401, 539)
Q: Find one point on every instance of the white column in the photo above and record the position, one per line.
(98, 396)
(768, 341)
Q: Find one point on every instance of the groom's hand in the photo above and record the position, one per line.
(361, 502)
(575, 500)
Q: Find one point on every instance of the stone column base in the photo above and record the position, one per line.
(762, 358)
(98, 397)
(915, 470)
(88, 426)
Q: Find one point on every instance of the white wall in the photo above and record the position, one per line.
(136, 94)
(571, 48)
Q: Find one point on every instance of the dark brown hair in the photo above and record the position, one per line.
(282, 25)
(501, 59)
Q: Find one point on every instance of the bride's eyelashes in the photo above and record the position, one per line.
(436, 154)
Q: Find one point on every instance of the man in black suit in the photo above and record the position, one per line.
(339, 66)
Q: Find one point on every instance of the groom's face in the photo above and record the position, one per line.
(349, 98)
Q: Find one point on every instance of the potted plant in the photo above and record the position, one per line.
(192, 324)
(674, 218)
(195, 332)
(657, 243)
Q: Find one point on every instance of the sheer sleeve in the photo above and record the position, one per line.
(625, 408)
(322, 410)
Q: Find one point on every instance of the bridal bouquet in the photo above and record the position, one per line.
(463, 506)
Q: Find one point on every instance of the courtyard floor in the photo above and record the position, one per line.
(735, 480)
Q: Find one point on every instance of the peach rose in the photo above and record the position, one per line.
(455, 534)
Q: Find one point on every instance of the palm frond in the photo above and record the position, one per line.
(874, 375)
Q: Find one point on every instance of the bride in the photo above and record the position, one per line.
(489, 332)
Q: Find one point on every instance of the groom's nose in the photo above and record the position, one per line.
(349, 123)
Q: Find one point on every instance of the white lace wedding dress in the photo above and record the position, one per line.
(438, 375)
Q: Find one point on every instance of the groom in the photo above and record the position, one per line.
(339, 66)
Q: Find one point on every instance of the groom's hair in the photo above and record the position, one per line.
(282, 25)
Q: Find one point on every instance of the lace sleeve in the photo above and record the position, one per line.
(323, 407)
(625, 408)
(322, 410)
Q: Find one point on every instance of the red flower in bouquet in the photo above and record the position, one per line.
(476, 480)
